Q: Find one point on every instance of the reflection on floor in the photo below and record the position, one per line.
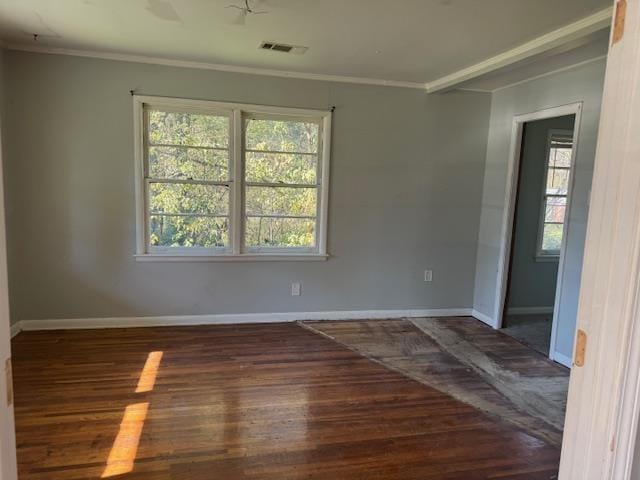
(254, 402)
(532, 330)
(468, 360)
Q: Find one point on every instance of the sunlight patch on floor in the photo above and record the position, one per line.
(125, 447)
(149, 372)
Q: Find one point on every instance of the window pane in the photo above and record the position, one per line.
(188, 198)
(560, 157)
(555, 209)
(557, 181)
(281, 201)
(285, 168)
(279, 232)
(552, 237)
(188, 129)
(193, 231)
(188, 163)
(281, 135)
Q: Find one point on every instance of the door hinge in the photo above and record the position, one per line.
(9, 379)
(581, 348)
(618, 22)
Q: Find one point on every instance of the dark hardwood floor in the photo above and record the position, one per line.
(464, 358)
(268, 402)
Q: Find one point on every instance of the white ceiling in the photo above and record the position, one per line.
(402, 40)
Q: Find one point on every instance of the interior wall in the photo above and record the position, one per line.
(581, 84)
(532, 283)
(406, 188)
(7, 429)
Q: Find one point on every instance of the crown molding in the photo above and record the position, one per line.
(573, 31)
(124, 57)
(474, 90)
(552, 72)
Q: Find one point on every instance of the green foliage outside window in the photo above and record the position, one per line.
(188, 158)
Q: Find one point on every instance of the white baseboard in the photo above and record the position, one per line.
(529, 310)
(220, 319)
(15, 329)
(483, 318)
(562, 359)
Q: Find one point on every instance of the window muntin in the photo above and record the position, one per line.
(190, 158)
(556, 191)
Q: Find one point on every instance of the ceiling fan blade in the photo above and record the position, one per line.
(36, 36)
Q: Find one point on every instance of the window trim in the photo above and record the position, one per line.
(236, 251)
(552, 255)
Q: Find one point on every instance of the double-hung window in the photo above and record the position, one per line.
(219, 181)
(555, 193)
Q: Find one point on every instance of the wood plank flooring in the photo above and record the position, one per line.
(268, 402)
(468, 360)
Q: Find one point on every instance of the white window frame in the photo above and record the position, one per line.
(542, 255)
(236, 251)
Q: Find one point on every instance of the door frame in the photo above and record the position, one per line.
(506, 239)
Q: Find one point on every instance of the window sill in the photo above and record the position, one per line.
(271, 257)
(547, 258)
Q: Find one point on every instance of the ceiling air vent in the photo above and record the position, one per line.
(283, 48)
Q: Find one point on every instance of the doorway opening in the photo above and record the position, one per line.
(529, 299)
(538, 229)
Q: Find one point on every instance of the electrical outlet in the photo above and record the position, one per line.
(295, 289)
(428, 275)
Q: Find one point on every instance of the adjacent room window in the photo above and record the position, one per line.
(555, 194)
(230, 181)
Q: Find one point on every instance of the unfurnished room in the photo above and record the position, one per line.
(320, 239)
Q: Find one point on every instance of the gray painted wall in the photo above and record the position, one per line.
(580, 84)
(533, 283)
(406, 189)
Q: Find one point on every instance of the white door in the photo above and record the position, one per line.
(604, 392)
